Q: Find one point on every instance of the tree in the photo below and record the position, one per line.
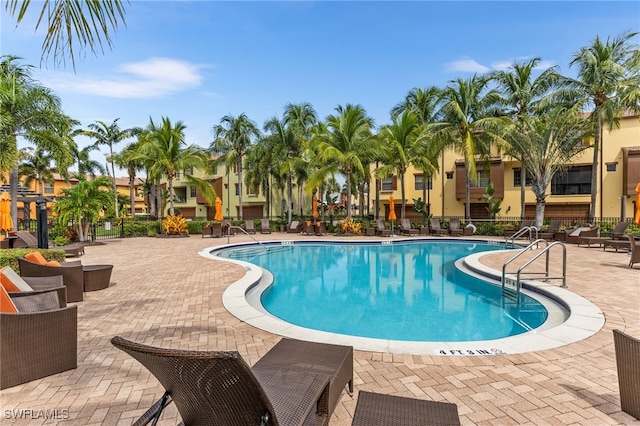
(426, 104)
(36, 168)
(525, 96)
(469, 124)
(164, 146)
(131, 161)
(545, 144)
(405, 146)
(82, 204)
(109, 134)
(86, 165)
(86, 23)
(232, 138)
(608, 81)
(347, 145)
(29, 111)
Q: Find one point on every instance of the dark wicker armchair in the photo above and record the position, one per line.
(71, 272)
(219, 388)
(40, 340)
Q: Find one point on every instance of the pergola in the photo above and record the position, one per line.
(27, 196)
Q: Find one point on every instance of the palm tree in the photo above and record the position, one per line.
(545, 144)
(232, 138)
(86, 165)
(404, 147)
(608, 81)
(82, 203)
(72, 21)
(164, 146)
(109, 134)
(426, 104)
(347, 146)
(286, 151)
(130, 160)
(469, 123)
(259, 161)
(29, 111)
(300, 118)
(525, 96)
(36, 168)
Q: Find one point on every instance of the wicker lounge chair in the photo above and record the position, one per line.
(219, 388)
(265, 226)
(406, 229)
(249, 226)
(39, 340)
(72, 275)
(381, 229)
(617, 234)
(573, 235)
(628, 364)
(294, 227)
(548, 234)
(321, 228)
(436, 228)
(634, 247)
(25, 239)
(454, 227)
(375, 409)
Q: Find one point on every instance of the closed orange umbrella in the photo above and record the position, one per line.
(315, 207)
(637, 215)
(392, 209)
(218, 216)
(6, 224)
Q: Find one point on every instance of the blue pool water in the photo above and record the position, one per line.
(402, 291)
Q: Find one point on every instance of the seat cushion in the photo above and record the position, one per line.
(6, 304)
(12, 281)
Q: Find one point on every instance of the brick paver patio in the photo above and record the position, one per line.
(164, 293)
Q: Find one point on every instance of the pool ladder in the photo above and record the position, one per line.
(511, 282)
(531, 230)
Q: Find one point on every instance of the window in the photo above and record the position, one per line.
(48, 188)
(387, 184)
(252, 191)
(419, 183)
(576, 180)
(237, 189)
(611, 167)
(449, 175)
(482, 179)
(188, 171)
(517, 176)
(192, 191)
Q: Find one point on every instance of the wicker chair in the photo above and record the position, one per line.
(454, 227)
(219, 388)
(37, 343)
(294, 227)
(436, 228)
(249, 226)
(381, 229)
(628, 364)
(265, 226)
(72, 275)
(406, 229)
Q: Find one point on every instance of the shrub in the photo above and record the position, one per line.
(174, 225)
(60, 241)
(10, 257)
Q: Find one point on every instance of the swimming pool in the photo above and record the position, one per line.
(409, 291)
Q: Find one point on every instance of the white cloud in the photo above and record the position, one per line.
(151, 78)
(466, 65)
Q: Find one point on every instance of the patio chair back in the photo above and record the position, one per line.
(265, 226)
(618, 231)
(294, 228)
(249, 226)
(435, 224)
(208, 388)
(554, 226)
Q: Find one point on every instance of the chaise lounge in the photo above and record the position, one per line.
(406, 229)
(296, 384)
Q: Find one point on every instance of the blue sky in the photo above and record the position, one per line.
(196, 61)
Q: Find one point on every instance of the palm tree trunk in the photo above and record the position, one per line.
(115, 186)
(594, 170)
(402, 194)
(348, 195)
(240, 189)
(540, 204)
(467, 207)
(289, 197)
(132, 196)
(523, 186)
(13, 192)
(171, 196)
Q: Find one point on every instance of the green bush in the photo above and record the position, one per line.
(141, 229)
(9, 257)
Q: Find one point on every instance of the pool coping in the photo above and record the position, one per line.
(584, 320)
